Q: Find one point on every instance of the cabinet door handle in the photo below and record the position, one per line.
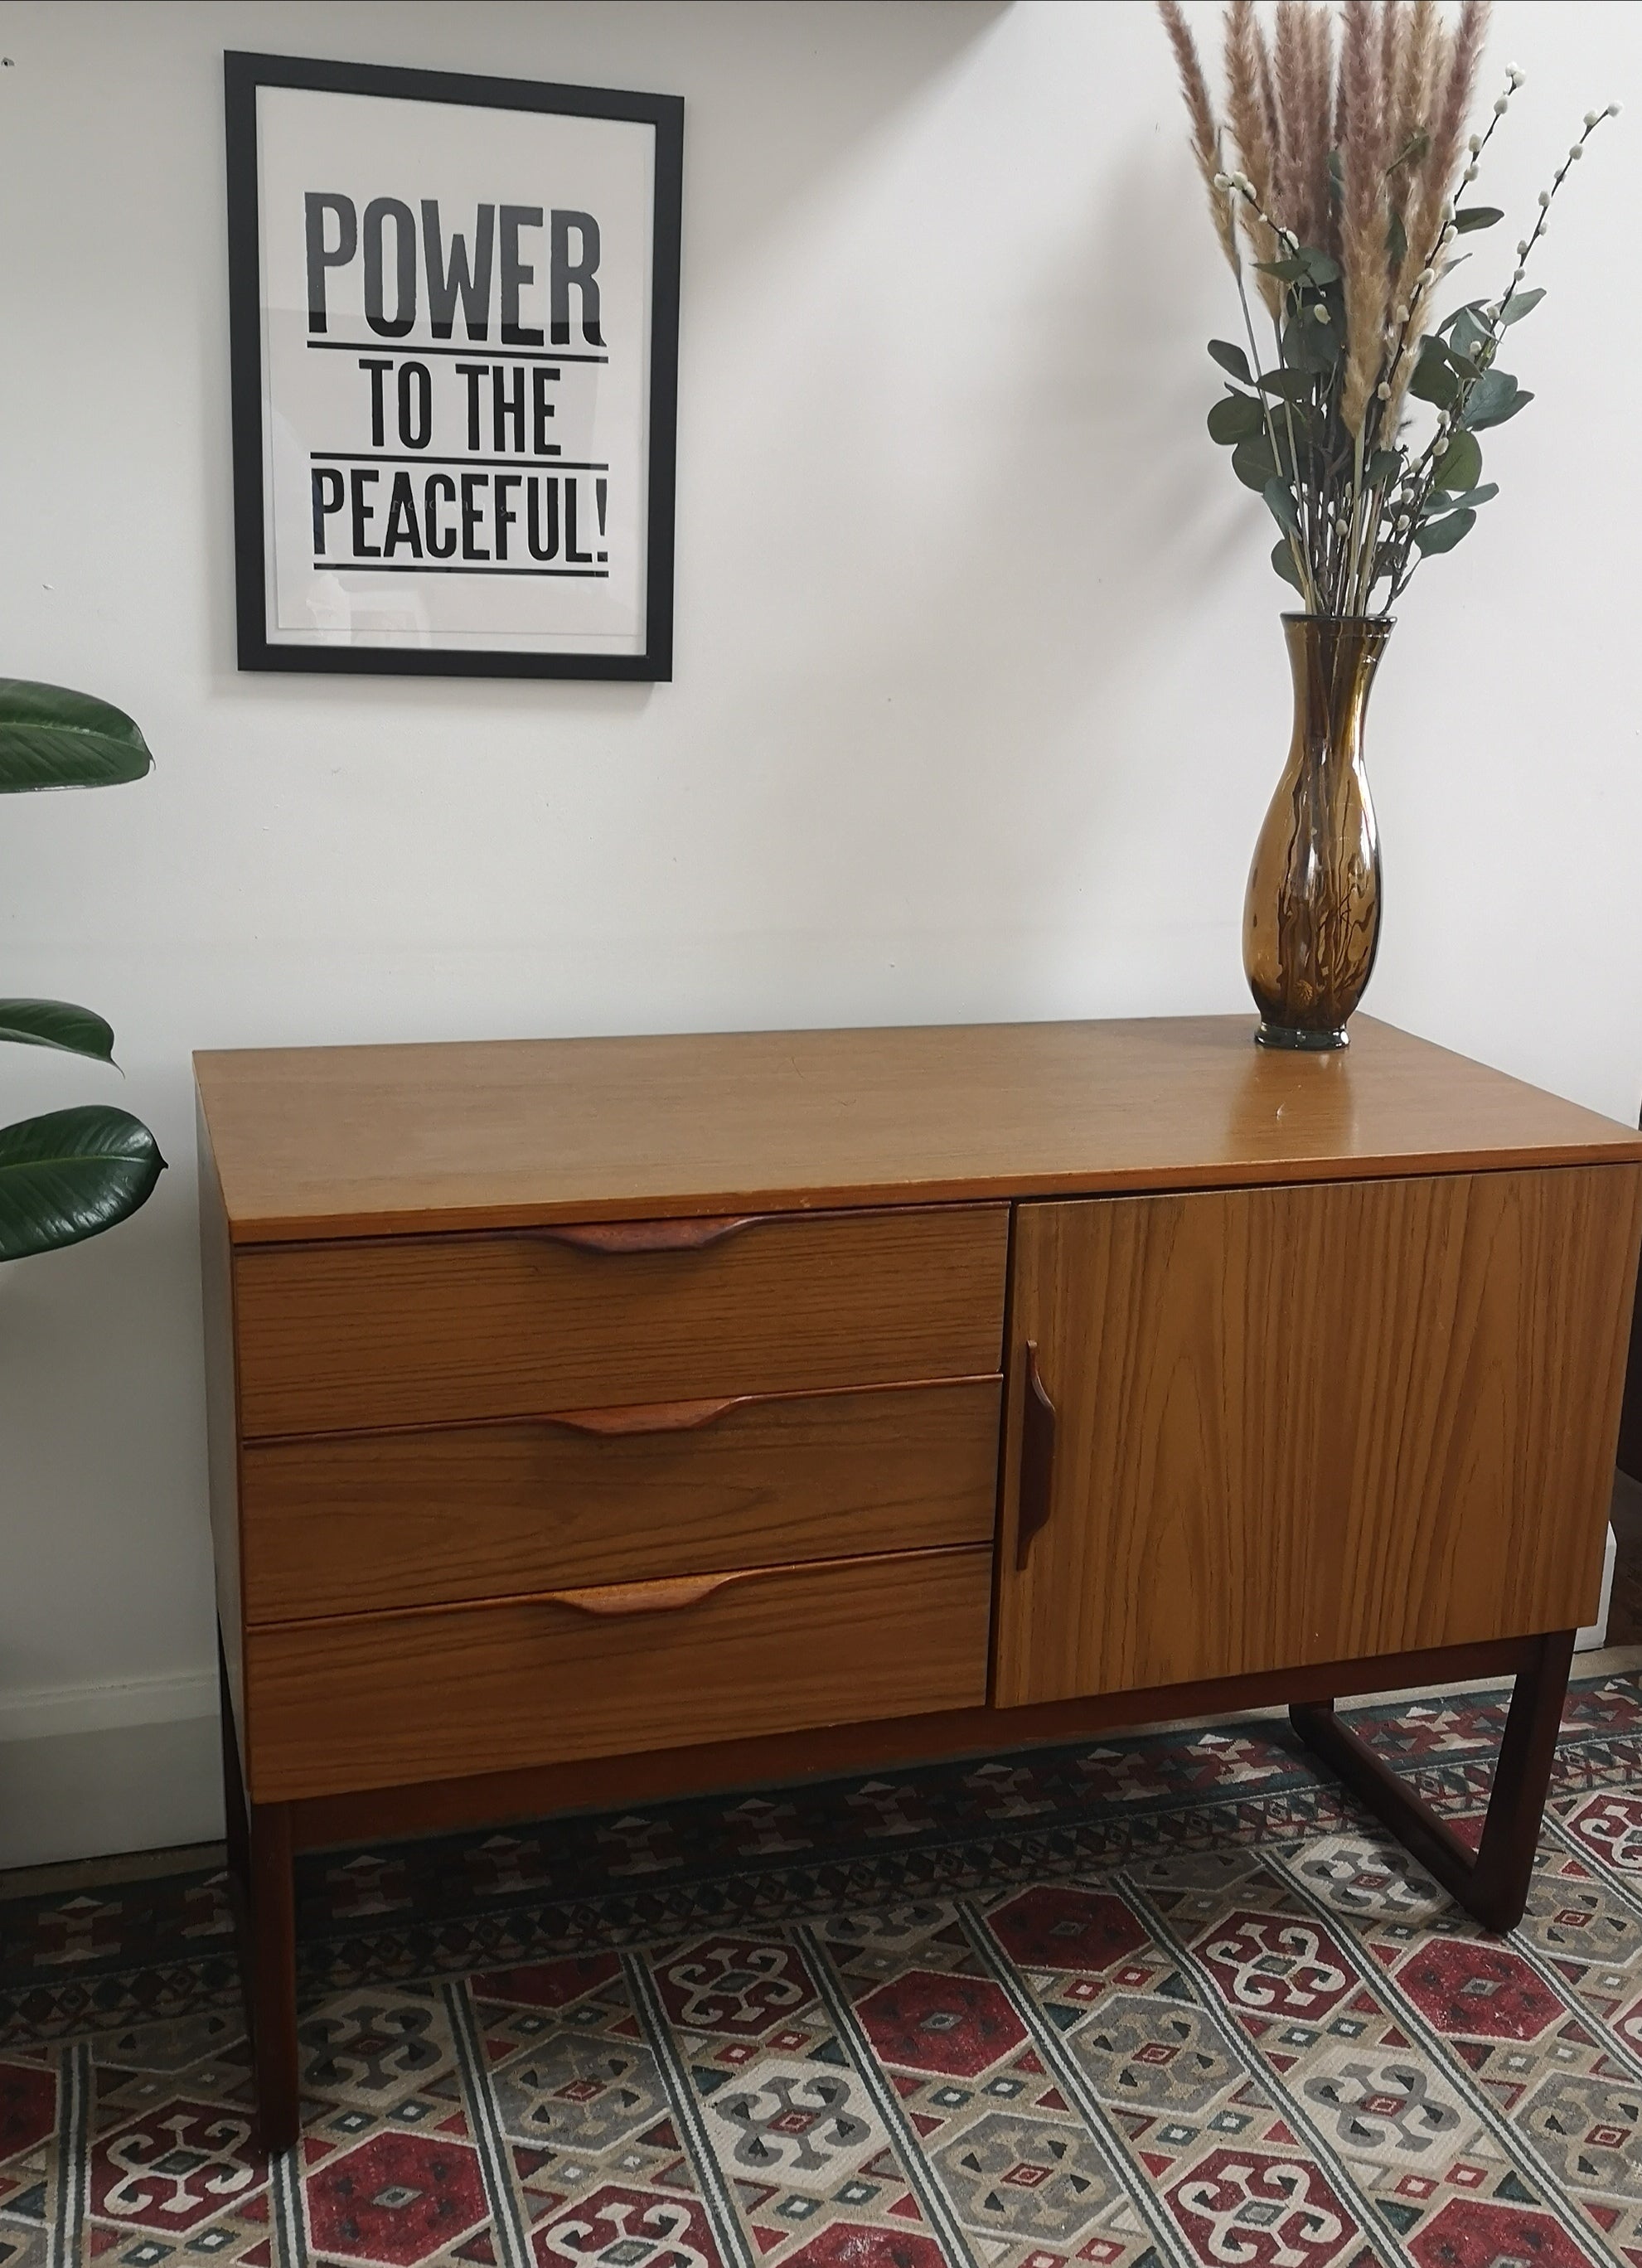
(1038, 1460)
(619, 1236)
(646, 1417)
(644, 1598)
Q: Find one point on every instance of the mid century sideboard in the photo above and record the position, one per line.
(596, 1419)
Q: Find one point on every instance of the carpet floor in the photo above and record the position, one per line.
(1162, 2002)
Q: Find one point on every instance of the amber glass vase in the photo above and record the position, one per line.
(1311, 914)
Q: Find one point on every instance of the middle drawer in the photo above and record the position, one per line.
(354, 1523)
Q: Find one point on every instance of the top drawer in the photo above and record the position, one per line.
(434, 1329)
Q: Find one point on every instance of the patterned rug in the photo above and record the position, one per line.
(1144, 2003)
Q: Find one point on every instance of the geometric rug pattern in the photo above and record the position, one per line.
(1160, 2002)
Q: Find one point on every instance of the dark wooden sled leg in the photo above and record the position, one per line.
(273, 1977)
(1491, 1883)
(262, 1892)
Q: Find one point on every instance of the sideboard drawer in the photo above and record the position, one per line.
(348, 1523)
(383, 1699)
(438, 1330)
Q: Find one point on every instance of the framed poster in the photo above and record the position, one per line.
(454, 309)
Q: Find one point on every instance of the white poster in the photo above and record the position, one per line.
(455, 370)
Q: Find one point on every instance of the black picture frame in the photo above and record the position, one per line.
(244, 73)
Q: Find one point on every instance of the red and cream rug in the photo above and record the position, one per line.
(1166, 2002)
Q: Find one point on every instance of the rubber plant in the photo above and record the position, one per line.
(67, 1174)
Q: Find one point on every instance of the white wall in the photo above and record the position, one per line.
(980, 689)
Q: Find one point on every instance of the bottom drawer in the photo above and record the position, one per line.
(385, 1700)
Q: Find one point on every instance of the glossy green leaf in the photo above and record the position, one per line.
(1232, 358)
(1495, 397)
(1442, 534)
(57, 1024)
(1287, 271)
(1460, 464)
(1233, 418)
(1282, 560)
(1286, 385)
(1434, 378)
(50, 737)
(1473, 216)
(71, 1174)
(1521, 304)
(1383, 466)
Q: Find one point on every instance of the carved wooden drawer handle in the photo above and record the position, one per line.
(647, 1417)
(1038, 1460)
(619, 1236)
(644, 1598)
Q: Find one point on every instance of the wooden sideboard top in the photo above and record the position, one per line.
(330, 1142)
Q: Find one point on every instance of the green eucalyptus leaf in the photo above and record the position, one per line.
(1282, 560)
(1434, 379)
(1470, 331)
(1233, 418)
(1460, 464)
(1287, 271)
(1519, 303)
(1495, 397)
(1397, 241)
(1442, 534)
(1383, 466)
(57, 1024)
(1319, 267)
(1281, 503)
(71, 1174)
(1472, 217)
(1253, 462)
(1286, 385)
(1445, 500)
(1309, 345)
(50, 737)
(1231, 358)
(1336, 173)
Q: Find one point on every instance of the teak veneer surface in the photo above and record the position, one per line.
(1314, 1424)
(340, 1523)
(377, 1699)
(336, 1142)
(440, 1329)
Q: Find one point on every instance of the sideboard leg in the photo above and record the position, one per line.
(273, 1976)
(1492, 1882)
(1504, 1861)
(236, 1822)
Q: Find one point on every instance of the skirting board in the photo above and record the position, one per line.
(87, 1772)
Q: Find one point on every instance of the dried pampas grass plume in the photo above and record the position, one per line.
(1205, 133)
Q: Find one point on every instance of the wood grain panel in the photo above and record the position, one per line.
(754, 1760)
(1297, 1425)
(443, 1330)
(344, 1523)
(361, 1141)
(388, 1698)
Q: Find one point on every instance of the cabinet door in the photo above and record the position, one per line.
(1307, 1424)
